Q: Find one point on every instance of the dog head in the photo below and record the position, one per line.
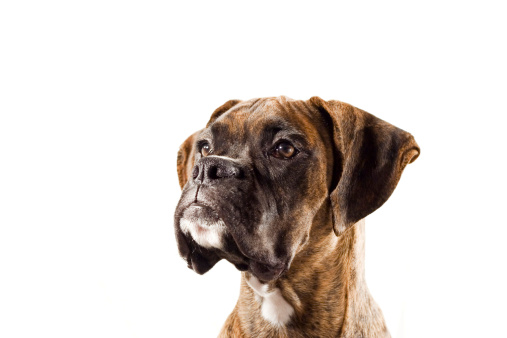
(254, 179)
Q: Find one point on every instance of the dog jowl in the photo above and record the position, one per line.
(269, 182)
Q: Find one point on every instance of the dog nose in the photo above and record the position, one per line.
(214, 168)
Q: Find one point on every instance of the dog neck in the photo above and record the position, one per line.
(323, 294)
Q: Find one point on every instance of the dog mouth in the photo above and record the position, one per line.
(198, 211)
(203, 224)
(203, 239)
(207, 240)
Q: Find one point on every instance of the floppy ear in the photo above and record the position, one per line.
(222, 109)
(370, 154)
(185, 161)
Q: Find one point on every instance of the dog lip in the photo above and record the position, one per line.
(198, 204)
(245, 261)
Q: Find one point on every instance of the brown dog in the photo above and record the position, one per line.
(280, 188)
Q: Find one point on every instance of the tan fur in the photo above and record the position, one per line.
(326, 287)
(361, 160)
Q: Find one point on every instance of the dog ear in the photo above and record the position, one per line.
(370, 157)
(222, 109)
(185, 161)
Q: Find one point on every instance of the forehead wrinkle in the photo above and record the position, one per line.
(274, 103)
(286, 117)
(262, 110)
(228, 132)
(254, 104)
(286, 107)
(254, 117)
(230, 121)
(308, 118)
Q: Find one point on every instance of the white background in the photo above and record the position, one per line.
(97, 96)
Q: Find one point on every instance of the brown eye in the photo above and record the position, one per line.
(205, 149)
(284, 150)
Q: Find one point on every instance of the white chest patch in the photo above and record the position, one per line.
(275, 309)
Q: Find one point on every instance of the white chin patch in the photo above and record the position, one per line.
(275, 309)
(206, 234)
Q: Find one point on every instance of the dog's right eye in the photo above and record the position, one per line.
(205, 149)
(284, 150)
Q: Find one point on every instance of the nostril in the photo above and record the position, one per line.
(195, 172)
(213, 173)
(212, 169)
(239, 173)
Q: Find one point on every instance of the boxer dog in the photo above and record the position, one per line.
(280, 188)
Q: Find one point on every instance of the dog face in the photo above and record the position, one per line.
(256, 176)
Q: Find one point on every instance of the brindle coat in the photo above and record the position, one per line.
(294, 223)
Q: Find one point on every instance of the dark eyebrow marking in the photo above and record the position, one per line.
(220, 129)
(279, 129)
(277, 125)
(205, 135)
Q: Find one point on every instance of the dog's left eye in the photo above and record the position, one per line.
(205, 149)
(284, 150)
